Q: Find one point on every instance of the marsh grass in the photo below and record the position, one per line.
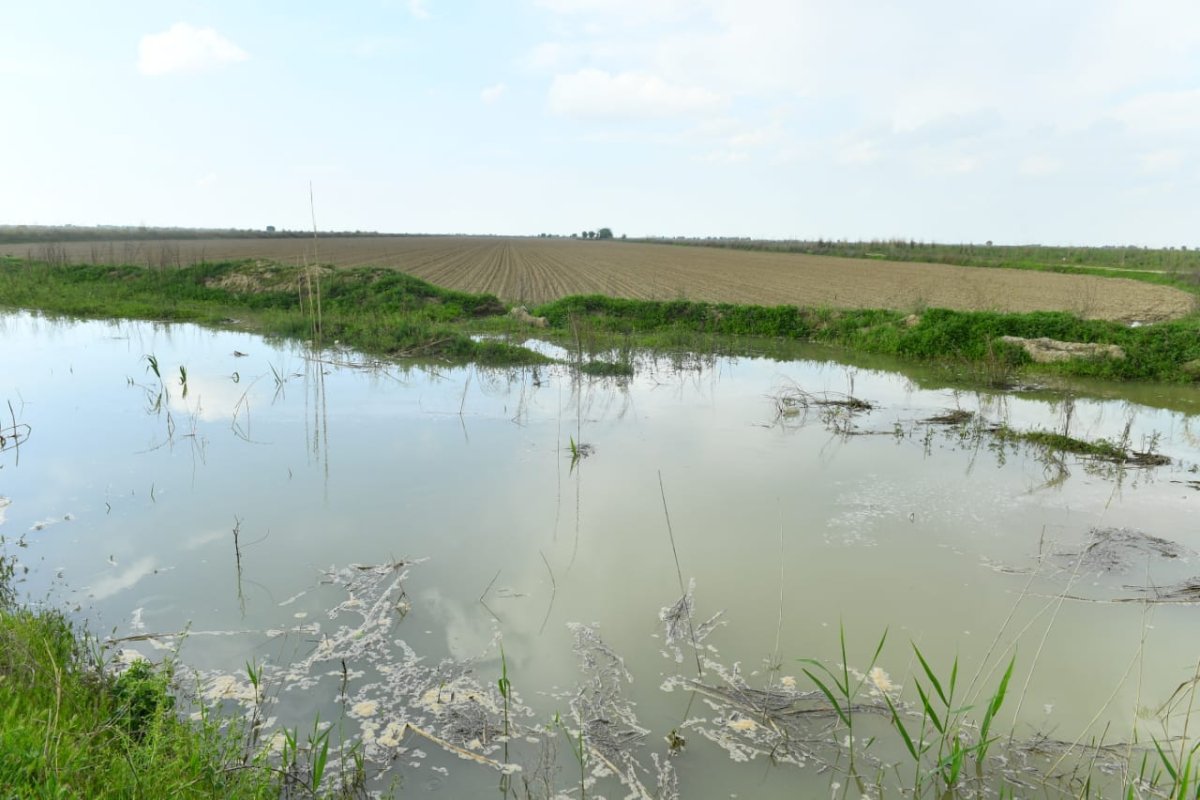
(74, 723)
(377, 311)
(956, 748)
(68, 728)
(1099, 449)
(385, 312)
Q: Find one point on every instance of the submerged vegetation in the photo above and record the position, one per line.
(385, 312)
(931, 731)
(75, 724)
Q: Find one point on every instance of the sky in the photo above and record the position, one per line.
(1027, 121)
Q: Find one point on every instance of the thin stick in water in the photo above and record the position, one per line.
(679, 574)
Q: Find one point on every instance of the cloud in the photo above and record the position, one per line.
(207, 180)
(1040, 165)
(726, 157)
(186, 48)
(1159, 113)
(598, 94)
(419, 9)
(493, 93)
(1160, 160)
(109, 585)
(858, 153)
(631, 11)
(935, 161)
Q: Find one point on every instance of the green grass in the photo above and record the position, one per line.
(384, 312)
(70, 726)
(1159, 352)
(377, 311)
(1099, 448)
(69, 730)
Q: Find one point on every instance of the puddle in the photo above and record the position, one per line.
(368, 537)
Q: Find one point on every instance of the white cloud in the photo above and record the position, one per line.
(1160, 160)
(207, 180)
(858, 153)
(419, 9)
(596, 93)
(726, 157)
(546, 56)
(109, 585)
(757, 137)
(493, 93)
(186, 48)
(938, 162)
(1040, 165)
(629, 11)
(1159, 113)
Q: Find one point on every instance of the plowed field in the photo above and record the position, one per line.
(538, 270)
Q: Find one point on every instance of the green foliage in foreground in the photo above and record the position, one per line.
(69, 730)
(70, 726)
(1153, 352)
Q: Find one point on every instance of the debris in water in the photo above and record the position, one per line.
(1115, 549)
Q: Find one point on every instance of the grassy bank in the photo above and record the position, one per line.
(385, 312)
(966, 340)
(69, 727)
(377, 311)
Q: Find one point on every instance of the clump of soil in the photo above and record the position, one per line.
(1048, 351)
(267, 277)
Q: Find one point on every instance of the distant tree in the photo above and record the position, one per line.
(574, 235)
(604, 233)
(270, 229)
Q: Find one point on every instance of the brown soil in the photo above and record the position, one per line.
(537, 270)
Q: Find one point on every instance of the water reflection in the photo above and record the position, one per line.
(535, 498)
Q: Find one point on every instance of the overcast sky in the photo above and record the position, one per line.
(1051, 121)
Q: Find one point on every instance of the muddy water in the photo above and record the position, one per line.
(402, 524)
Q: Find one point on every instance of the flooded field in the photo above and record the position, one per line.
(566, 586)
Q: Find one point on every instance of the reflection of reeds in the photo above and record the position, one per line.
(14, 434)
(679, 574)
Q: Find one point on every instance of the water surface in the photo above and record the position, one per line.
(460, 482)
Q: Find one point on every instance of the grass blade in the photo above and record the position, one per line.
(929, 712)
(837, 707)
(899, 723)
(993, 707)
(929, 673)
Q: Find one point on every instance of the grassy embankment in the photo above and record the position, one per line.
(70, 728)
(385, 312)
(377, 311)
(964, 340)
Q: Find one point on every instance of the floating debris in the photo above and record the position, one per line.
(956, 416)
(1116, 549)
(13, 436)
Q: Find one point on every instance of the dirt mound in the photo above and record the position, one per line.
(1047, 351)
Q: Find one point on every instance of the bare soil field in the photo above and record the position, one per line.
(533, 270)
